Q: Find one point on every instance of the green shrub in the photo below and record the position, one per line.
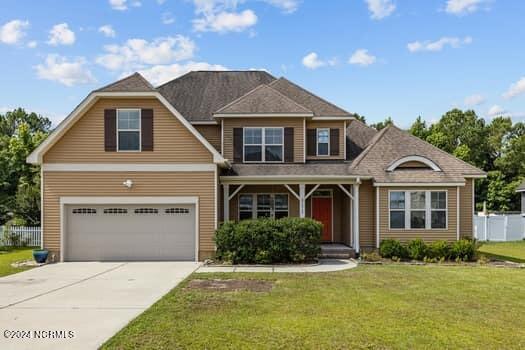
(392, 248)
(439, 250)
(372, 256)
(463, 250)
(266, 241)
(417, 249)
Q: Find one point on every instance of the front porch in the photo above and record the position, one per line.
(333, 202)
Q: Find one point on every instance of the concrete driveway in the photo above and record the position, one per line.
(80, 305)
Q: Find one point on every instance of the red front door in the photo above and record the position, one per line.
(322, 212)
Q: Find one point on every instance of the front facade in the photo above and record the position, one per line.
(143, 173)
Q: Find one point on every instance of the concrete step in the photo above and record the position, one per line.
(336, 251)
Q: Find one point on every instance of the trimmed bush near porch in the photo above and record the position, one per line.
(417, 249)
(268, 241)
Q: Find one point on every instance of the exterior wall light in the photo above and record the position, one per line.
(128, 183)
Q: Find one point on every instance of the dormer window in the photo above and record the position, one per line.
(323, 141)
(128, 130)
(263, 145)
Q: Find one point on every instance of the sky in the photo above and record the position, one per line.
(379, 58)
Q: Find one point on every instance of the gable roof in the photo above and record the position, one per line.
(359, 136)
(319, 106)
(132, 83)
(392, 143)
(36, 156)
(197, 95)
(264, 100)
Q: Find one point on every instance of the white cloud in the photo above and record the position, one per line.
(108, 31)
(438, 45)
(122, 5)
(136, 53)
(225, 22)
(13, 31)
(474, 100)
(496, 110)
(67, 72)
(461, 7)
(515, 89)
(312, 61)
(161, 2)
(221, 16)
(287, 6)
(163, 73)
(380, 9)
(60, 34)
(32, 44)
(361, 57)
(167, 18)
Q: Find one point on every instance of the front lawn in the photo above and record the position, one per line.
(11, 256)
(385, 307)
(512, 251)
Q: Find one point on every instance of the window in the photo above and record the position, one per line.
(438, 208)
(115, 211)
(263, 206)
(263, 144)
(323, 142)
(146, 211)
(177, 211)
(84, 211)
(128, 129)
(397, 209)
(418, 209)
(245, 206)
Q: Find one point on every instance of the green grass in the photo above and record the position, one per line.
(11, 256)
(370, 307)
(512, 251)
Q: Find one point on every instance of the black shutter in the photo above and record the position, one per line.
(147, 129)
(237, 145)
(311, 142)
(288, 145)
(110, 130)
(334, 142)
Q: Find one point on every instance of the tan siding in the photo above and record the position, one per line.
(212, 133)
(367, 209)
(84, 142)
(60, 184)
(296, 123)
(450, 234)
(466, 211)
(333, 125)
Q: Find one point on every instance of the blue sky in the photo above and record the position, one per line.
(379, 58)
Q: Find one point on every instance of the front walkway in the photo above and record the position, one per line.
(80, 305)
(324, 265)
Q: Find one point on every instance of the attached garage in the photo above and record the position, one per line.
(129, 232)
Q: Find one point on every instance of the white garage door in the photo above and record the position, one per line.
(129, 232)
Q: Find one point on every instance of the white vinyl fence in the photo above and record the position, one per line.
(20, 235)
(506, 227)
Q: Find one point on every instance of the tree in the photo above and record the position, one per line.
(361, 118)
(419, 128)
(501, 194)
(20, 134)
(381, 125)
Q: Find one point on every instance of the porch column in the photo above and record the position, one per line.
(226, 201)
(355, 215)
(302, 200)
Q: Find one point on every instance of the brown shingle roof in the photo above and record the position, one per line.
(392, 143)
(319, 106)
(359, 136)
(197, 95)
(263, 100)
(132, 83)
(307, 169)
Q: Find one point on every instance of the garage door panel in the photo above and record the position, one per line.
(130, 232)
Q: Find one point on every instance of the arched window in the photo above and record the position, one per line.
(413, 162)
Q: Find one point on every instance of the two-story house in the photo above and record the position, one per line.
(143, 173)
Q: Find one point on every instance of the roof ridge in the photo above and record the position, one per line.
(125, 78)
(310, 93)
(355, 120)
(371, 145)
(254, 90)
(437, 148)
(179, 77)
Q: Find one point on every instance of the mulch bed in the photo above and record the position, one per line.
(491, 263)
(230, 285)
